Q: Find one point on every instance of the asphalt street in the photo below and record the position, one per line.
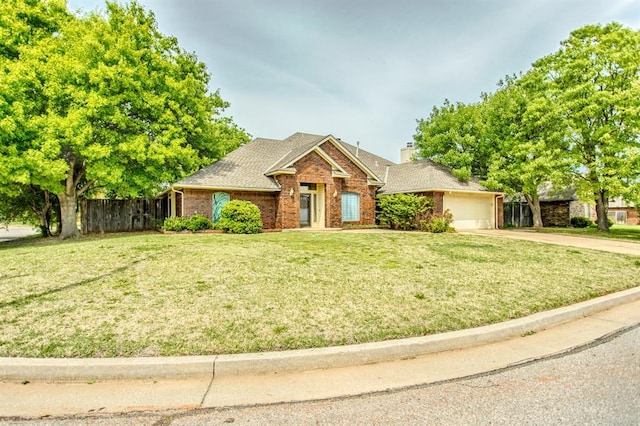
(597, 384)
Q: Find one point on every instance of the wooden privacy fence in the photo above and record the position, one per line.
(139, 214)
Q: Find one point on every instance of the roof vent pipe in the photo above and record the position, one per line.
(357, 148)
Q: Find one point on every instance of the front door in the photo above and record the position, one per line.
(305, 210)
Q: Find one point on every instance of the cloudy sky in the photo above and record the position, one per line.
(365, 70)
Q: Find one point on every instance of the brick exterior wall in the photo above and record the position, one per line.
(357, 183)
(500, 207)
(576, 208)
(556, 213)
(288, 207)
(438, 201)
(632, 214)
(314, 169)
(201, 201)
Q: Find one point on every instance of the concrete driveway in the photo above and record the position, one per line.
(603, 244)
(13, 232)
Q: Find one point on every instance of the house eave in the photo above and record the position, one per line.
(450, 191)
(217, 188)
(285, 171)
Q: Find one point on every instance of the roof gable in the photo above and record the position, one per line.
(308, 143)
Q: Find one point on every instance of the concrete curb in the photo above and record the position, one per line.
(298, 360)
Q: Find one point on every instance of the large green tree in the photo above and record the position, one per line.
(22, 24)
(594, 78)
(454, 136)
(527, 134)
(107, 103)
(573, 119)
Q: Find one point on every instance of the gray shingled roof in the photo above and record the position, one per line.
(425, 175)
(246, 168)
(376, 164)
(243, 168)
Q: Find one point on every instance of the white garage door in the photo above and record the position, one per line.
(470, 211)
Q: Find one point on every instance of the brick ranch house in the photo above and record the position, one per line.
(322, 182)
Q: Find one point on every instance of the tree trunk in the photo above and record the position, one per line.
(68, 204)
(602, 208)
(534, 204)
(44, 215)
(45, 220)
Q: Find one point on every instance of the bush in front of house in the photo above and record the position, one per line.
(403, 211)
(174, 224)
(581, 222)
(438, 224)
(197, 222)
(240, 217)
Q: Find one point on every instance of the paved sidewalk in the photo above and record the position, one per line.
(287, 377)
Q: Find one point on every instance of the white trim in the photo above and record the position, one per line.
(351, 157)
(225, 188)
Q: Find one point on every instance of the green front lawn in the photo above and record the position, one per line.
(619, 232)
(159, 295)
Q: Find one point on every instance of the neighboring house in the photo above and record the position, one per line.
(622, 212)
(557, 207)
(322, 182)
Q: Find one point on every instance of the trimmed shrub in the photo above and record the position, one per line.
(581, 222)
(199, 222)
(438, 223)
(196, 222)
(240, 217)
(403, 211)
(175, 224)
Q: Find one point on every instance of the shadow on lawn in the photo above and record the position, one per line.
(28, 299)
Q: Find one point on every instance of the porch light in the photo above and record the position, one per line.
(335, 193)
(291, 192)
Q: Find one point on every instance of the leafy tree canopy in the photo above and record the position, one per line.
(573, 119)
(453, 136)
(594, 78)
(107, 103)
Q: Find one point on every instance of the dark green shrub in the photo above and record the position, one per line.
(199, 222)
(240, 217)
(438, 223)
(403, 211)
(581, 222)
(175, 224)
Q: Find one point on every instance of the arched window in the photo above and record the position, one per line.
(219, 200)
